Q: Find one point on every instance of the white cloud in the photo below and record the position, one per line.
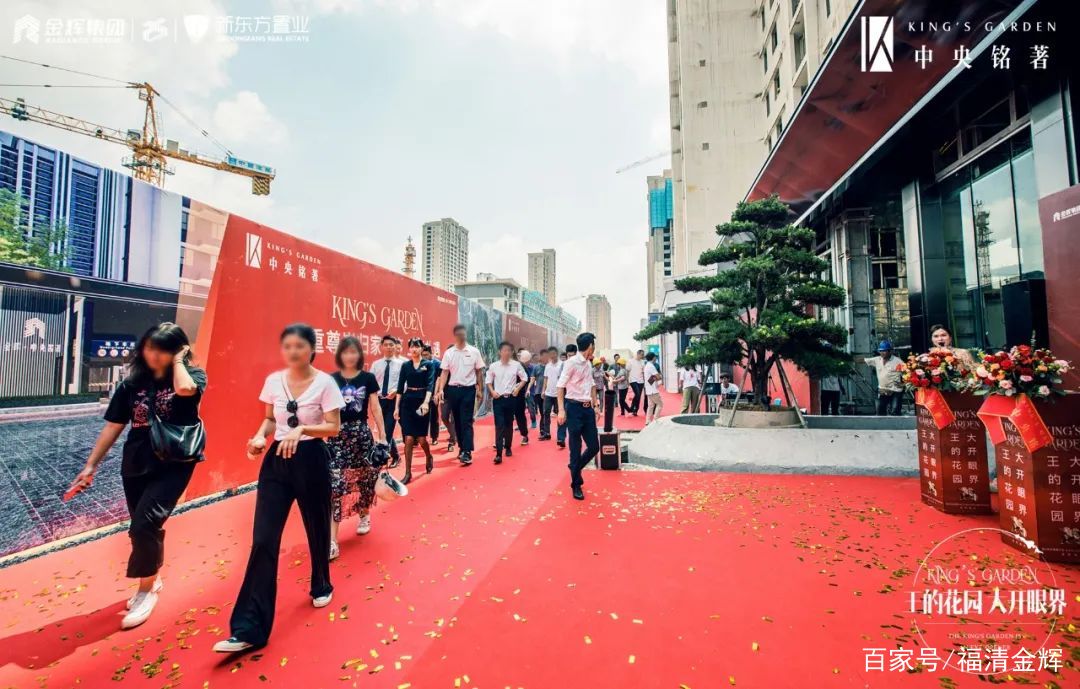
(244, 117)
(624, 32)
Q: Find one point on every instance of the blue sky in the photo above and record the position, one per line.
(510, 116)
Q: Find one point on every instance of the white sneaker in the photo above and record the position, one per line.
(231, 645)
(335, 551)
(322, 601)
(156, 588)
(364, 526)
(141, 608)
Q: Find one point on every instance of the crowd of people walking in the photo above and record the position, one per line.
(326, 440)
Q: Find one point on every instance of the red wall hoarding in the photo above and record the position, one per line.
(522, 333)
(266, 279)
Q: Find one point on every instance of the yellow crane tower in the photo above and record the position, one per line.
(149, 153)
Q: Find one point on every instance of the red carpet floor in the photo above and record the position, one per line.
(492, 577)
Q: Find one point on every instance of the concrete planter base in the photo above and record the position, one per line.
(841, 445)
(774, 418)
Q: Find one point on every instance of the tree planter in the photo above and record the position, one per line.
(784, 417)
(954, 475)
(1037, 445)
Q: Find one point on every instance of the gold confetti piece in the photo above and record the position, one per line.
(614, 616)
(588, 639)
(457, 682)
(632, 659)
(466, 678)
(766, 618)
(517, 591)
(637, 621)
(350, 663)
(284, 661)
(374, 653)
(836, 671)
(377, 668)
(684, 686)
(754, 646)
(731, 680)
(404, 686)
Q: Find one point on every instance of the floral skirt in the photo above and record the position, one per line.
(352, 479)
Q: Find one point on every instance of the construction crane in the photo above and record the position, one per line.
(639, 163)
(149, 155)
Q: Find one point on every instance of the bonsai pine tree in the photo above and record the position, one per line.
(762, 307)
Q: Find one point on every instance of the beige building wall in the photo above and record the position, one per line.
(542, 273)
(598, 319)
(737, 70)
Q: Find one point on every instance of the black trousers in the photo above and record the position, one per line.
(638, 389)
(304, 478)
(151, 498)
(624, 406)
(535, 403)
(551, 407)
(580, 427)
(547, 406)
(504, 409)
(447, 420)
(389, 423)
(519, 414)
(433, 422)
(830, 402)
(462, 399)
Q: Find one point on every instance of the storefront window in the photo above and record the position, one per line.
(992, 237)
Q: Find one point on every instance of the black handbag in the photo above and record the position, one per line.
(174, 442)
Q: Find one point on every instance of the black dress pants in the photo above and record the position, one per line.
(304, 478)
(504, 409)
(151, 498)
(639, 397)
(462, 399)
(519, 414)
(389, 423)
(580, 427)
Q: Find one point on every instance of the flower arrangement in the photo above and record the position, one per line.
(1023, 370)
(939, 369)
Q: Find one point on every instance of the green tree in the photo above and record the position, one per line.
(762, 305)
(41, 244)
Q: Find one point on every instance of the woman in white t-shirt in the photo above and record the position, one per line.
(652, 389)
(303, 406)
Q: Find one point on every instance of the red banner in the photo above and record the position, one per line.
(935, 403)
(1023, 414)
(265, 280)
(522, 333)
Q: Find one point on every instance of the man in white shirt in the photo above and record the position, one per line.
(505, 380)
(578, 408)
(652, 389)
(690, 387)
(386, 371)
(552, 371)
(890, 379)
(635, 369)
(462, 387)
(728, 390)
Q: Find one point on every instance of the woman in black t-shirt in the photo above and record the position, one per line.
(352, 477)
(160, 373)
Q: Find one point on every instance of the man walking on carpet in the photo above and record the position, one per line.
(578, 408)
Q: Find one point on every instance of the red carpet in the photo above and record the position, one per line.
(493, 577)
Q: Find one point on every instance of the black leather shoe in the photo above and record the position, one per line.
(498, 459)
(578, 493)
(466, 459)
(509, 452)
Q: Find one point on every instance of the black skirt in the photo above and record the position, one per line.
(412, 423)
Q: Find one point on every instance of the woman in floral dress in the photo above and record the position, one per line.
(352, 477)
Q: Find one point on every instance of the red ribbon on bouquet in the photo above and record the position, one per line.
(935, 403)
(1023, 414)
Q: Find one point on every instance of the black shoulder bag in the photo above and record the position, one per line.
(173, 442)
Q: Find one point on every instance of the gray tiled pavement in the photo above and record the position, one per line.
(38, 460)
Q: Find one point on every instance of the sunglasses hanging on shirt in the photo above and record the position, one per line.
(292, 406)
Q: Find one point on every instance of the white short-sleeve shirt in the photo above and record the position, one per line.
(462, 365)
(322, 395)
(551, 378)
(503, 378)
(577, 378)
(651, 388)
(636, 370)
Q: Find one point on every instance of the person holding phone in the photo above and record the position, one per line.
(302, 407)
(416, 385)
(160, 374)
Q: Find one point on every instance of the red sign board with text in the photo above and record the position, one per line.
(954, 474)
(266, 279)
